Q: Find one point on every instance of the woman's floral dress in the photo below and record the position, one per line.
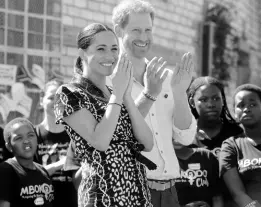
(111, 178)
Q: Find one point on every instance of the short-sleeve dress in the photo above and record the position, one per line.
(109, 178)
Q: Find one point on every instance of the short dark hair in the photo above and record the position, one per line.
(85, 38)
(247, 87)
(9, 127)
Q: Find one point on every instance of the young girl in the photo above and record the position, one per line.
(240, 157)
(23, 182)
(208, 104)
(108, 130)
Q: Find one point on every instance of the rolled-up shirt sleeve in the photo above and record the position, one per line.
(185, 136)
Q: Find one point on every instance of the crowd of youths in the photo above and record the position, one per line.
(126, 131)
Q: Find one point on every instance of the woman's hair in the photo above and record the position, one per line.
(207, 80)
(85, 38)
(247, 87)
(121, 11)
(9, 127)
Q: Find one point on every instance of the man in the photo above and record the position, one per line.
(155, 90)
(160, 96)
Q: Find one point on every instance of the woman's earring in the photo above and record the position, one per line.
(191, 102)
(192, 105)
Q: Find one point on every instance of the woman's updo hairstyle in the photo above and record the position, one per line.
(85, 38)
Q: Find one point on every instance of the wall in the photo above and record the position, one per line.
(178, 27)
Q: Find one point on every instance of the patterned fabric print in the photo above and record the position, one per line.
(111, 178)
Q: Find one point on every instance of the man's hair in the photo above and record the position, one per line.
(247, 87)
(9, 127)
(124, 8)
(54, 82)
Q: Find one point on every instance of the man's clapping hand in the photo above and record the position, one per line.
(183, 73)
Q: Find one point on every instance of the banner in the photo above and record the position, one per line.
(7, 74)
(20, 93)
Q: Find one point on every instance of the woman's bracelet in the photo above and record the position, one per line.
(251, 204)
(115, 104)
(147, 95)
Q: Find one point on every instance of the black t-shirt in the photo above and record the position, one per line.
(214, 144)
(199, 177)
(4, 153)
(51, 148)
(239, 152)
(25, 187)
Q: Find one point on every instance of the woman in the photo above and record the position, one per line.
(208, 104)
(199, 177)
(104, 123)
(240, 157)
(53, 142)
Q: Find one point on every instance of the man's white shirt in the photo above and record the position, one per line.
(160, 121)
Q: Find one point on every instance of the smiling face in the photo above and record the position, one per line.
(137, 35)
(248, 108)
(23, 141)
(102, 54)
(208, 102)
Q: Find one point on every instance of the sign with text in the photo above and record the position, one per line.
(7, 74)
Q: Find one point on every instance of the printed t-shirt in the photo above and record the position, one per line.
(199, 177)
(239, 152)
(51, 148)
(214, 144)
(30, 189)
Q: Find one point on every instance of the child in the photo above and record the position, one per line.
(240, 157)
(208, 104)
(22, 181)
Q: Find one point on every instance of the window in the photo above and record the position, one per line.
(32, 59)
(53, 31)
(31, 33)
(15, 59)
(2, 3)
(2, 57)
(15, 30)
(36, 6)
(35, 33)
(54, 8)
(18, 5)
(2, 28)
